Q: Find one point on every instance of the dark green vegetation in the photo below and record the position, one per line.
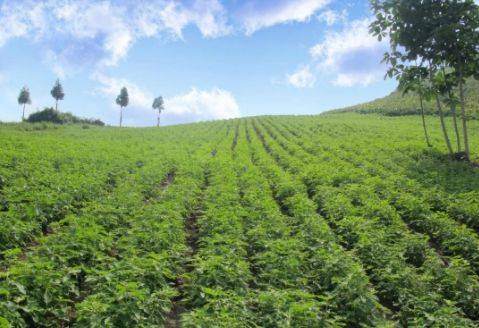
(433, 51)
(400, 104)
(24, 99)
(54, 116)
(122, 100)
(57, 93)
(323, 221)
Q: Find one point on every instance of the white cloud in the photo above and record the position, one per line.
(101, 21)
(78, 34)
(209, 16)
(52, 59)
(203, 105)
(331, 17)
(302, 78)
(16, 21)
(352, 79)
(352, 55)
(100, 33)
(254, 18)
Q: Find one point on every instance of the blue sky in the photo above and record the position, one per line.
(209, 59)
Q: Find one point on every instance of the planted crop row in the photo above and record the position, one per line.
(346, 195)
(429, 179)
(220, 279)
(421, 210)
(292, 265)
(328, 271)
(35, 193)
(47, 285)
(39, 185)
(282, 277)
(382, 242)
(112, 265)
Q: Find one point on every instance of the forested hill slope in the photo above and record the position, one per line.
(397, 104)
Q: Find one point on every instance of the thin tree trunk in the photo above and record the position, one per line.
(56, 105)
(121, 115)
(443, 126)
(158, 123)
(441, 115)
(463, 117)
(23, 113)
(454, 120)
(424, 121)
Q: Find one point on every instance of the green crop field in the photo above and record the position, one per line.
(339, 220)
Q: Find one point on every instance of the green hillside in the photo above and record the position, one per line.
(341, 220)
(397, 104)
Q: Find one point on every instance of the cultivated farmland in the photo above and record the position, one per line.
(340, 220)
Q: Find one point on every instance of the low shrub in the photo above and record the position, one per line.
(51, 115)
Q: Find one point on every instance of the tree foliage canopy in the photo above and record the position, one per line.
(57, 91)
(122, 99)
(159, 104)
(434, 49)
(24, 96)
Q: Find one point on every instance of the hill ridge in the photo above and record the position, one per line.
(397, 104)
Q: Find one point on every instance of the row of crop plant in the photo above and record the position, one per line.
(219, 281)
(422, 210)
(446, 236)
(49, 180)
(51, 283)
(381, 241)
(394, 164)
(257, 266)
(39, 187)
(330, 273)
(114, 263)
(291, 261)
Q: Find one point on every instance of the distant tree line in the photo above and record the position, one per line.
(434, 48)
(50, 114)
(53, 115)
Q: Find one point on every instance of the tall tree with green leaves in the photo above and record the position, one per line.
(159, 105)
(412, 29)
(122, 100)
(24, 99)
(456, 44)
(57, 93)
